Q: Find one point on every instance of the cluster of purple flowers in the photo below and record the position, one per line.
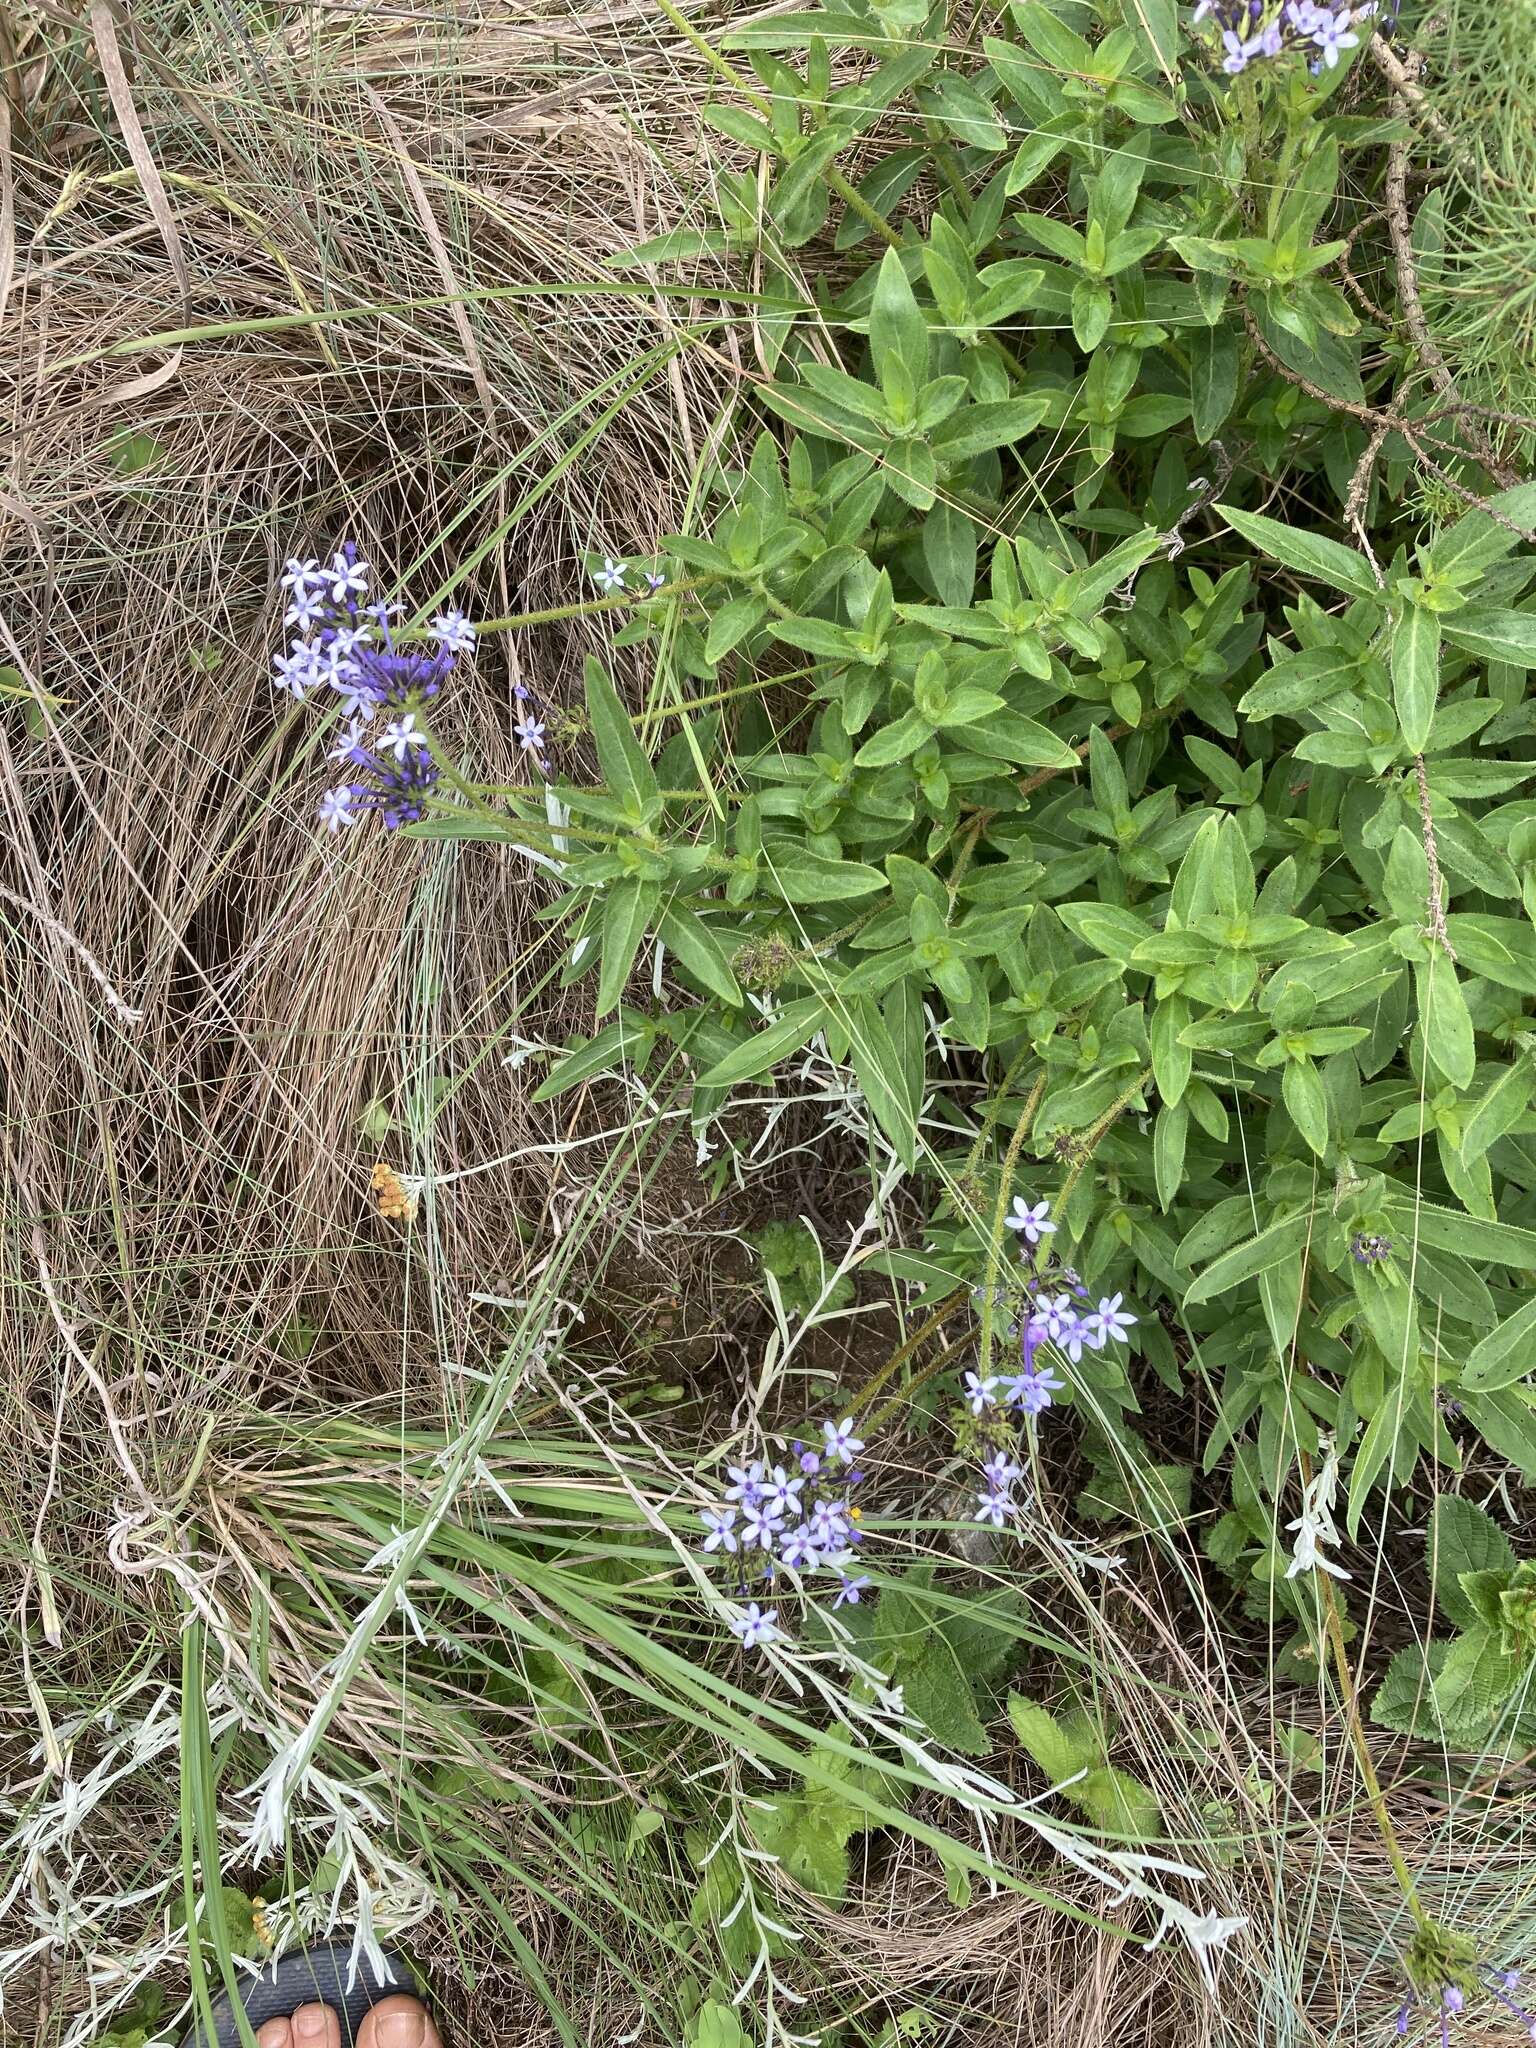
(1366, 1249)
(1452, 2000)
(1060, 1317)
(345, 645)
(795, 1516)
(1253, 30)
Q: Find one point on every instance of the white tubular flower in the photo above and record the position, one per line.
(1314, 1525)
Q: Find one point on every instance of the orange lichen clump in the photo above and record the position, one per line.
(390, 1194)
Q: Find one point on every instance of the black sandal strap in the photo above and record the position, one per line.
(304, 1976)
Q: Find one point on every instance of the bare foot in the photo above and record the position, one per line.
(315, 2026)
(396, 2022)
(309, 2026)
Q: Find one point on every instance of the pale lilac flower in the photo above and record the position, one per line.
(299, 574)
(453, 631)
(757, 1527)
(1030, 1223)
(349, 742)
(1052, 1316)
(1237, 53)
(399, 737)
(1111, 1319)
(336, 810)
(781, 1493)
(529, 734)
(347, 576)
(746, 1481)
(307, 608)
(993, 1507)
(849, 1590)
(808, 1461)
(295, 671)
(1000, 1471)
(979, 1394)
(357, 701)
(654, 581)
(720, 1522)
(754, 1626)
(1332, 35)
(333, 665)
(842, 1444)
(798, 1548)
(611, 575)
(828, 1526)
(1082, 1332)
(1032, 1389)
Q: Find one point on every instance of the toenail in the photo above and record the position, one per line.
(309, 2023)
(401, 2028)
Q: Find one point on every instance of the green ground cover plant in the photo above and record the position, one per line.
(1069, 760)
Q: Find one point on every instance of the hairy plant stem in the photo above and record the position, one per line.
(1354, 1722)
(1097, 1135)
(1021, 1131)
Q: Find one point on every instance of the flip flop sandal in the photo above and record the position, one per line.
(302, 1977)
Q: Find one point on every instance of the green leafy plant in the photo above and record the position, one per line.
(1072, 1750)
(790, 1252)
(1457, 1690)
(1175, 850)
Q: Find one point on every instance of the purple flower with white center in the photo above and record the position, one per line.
(746, 1482)
(979, 1394)
(295, 671)
(1000, 1472)
(993, 1507)
(842, 1444)
(849, 1590)
(453, 632)
(336, 811)
(1111, 1319)
(401, 735)
(347, 576)
(1031, 1390)
(611, 575)
(798, 1548)
(755, 1626)
(1030, 1223)
(1369, 1250)
(758, 1530)
(721, 1526)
